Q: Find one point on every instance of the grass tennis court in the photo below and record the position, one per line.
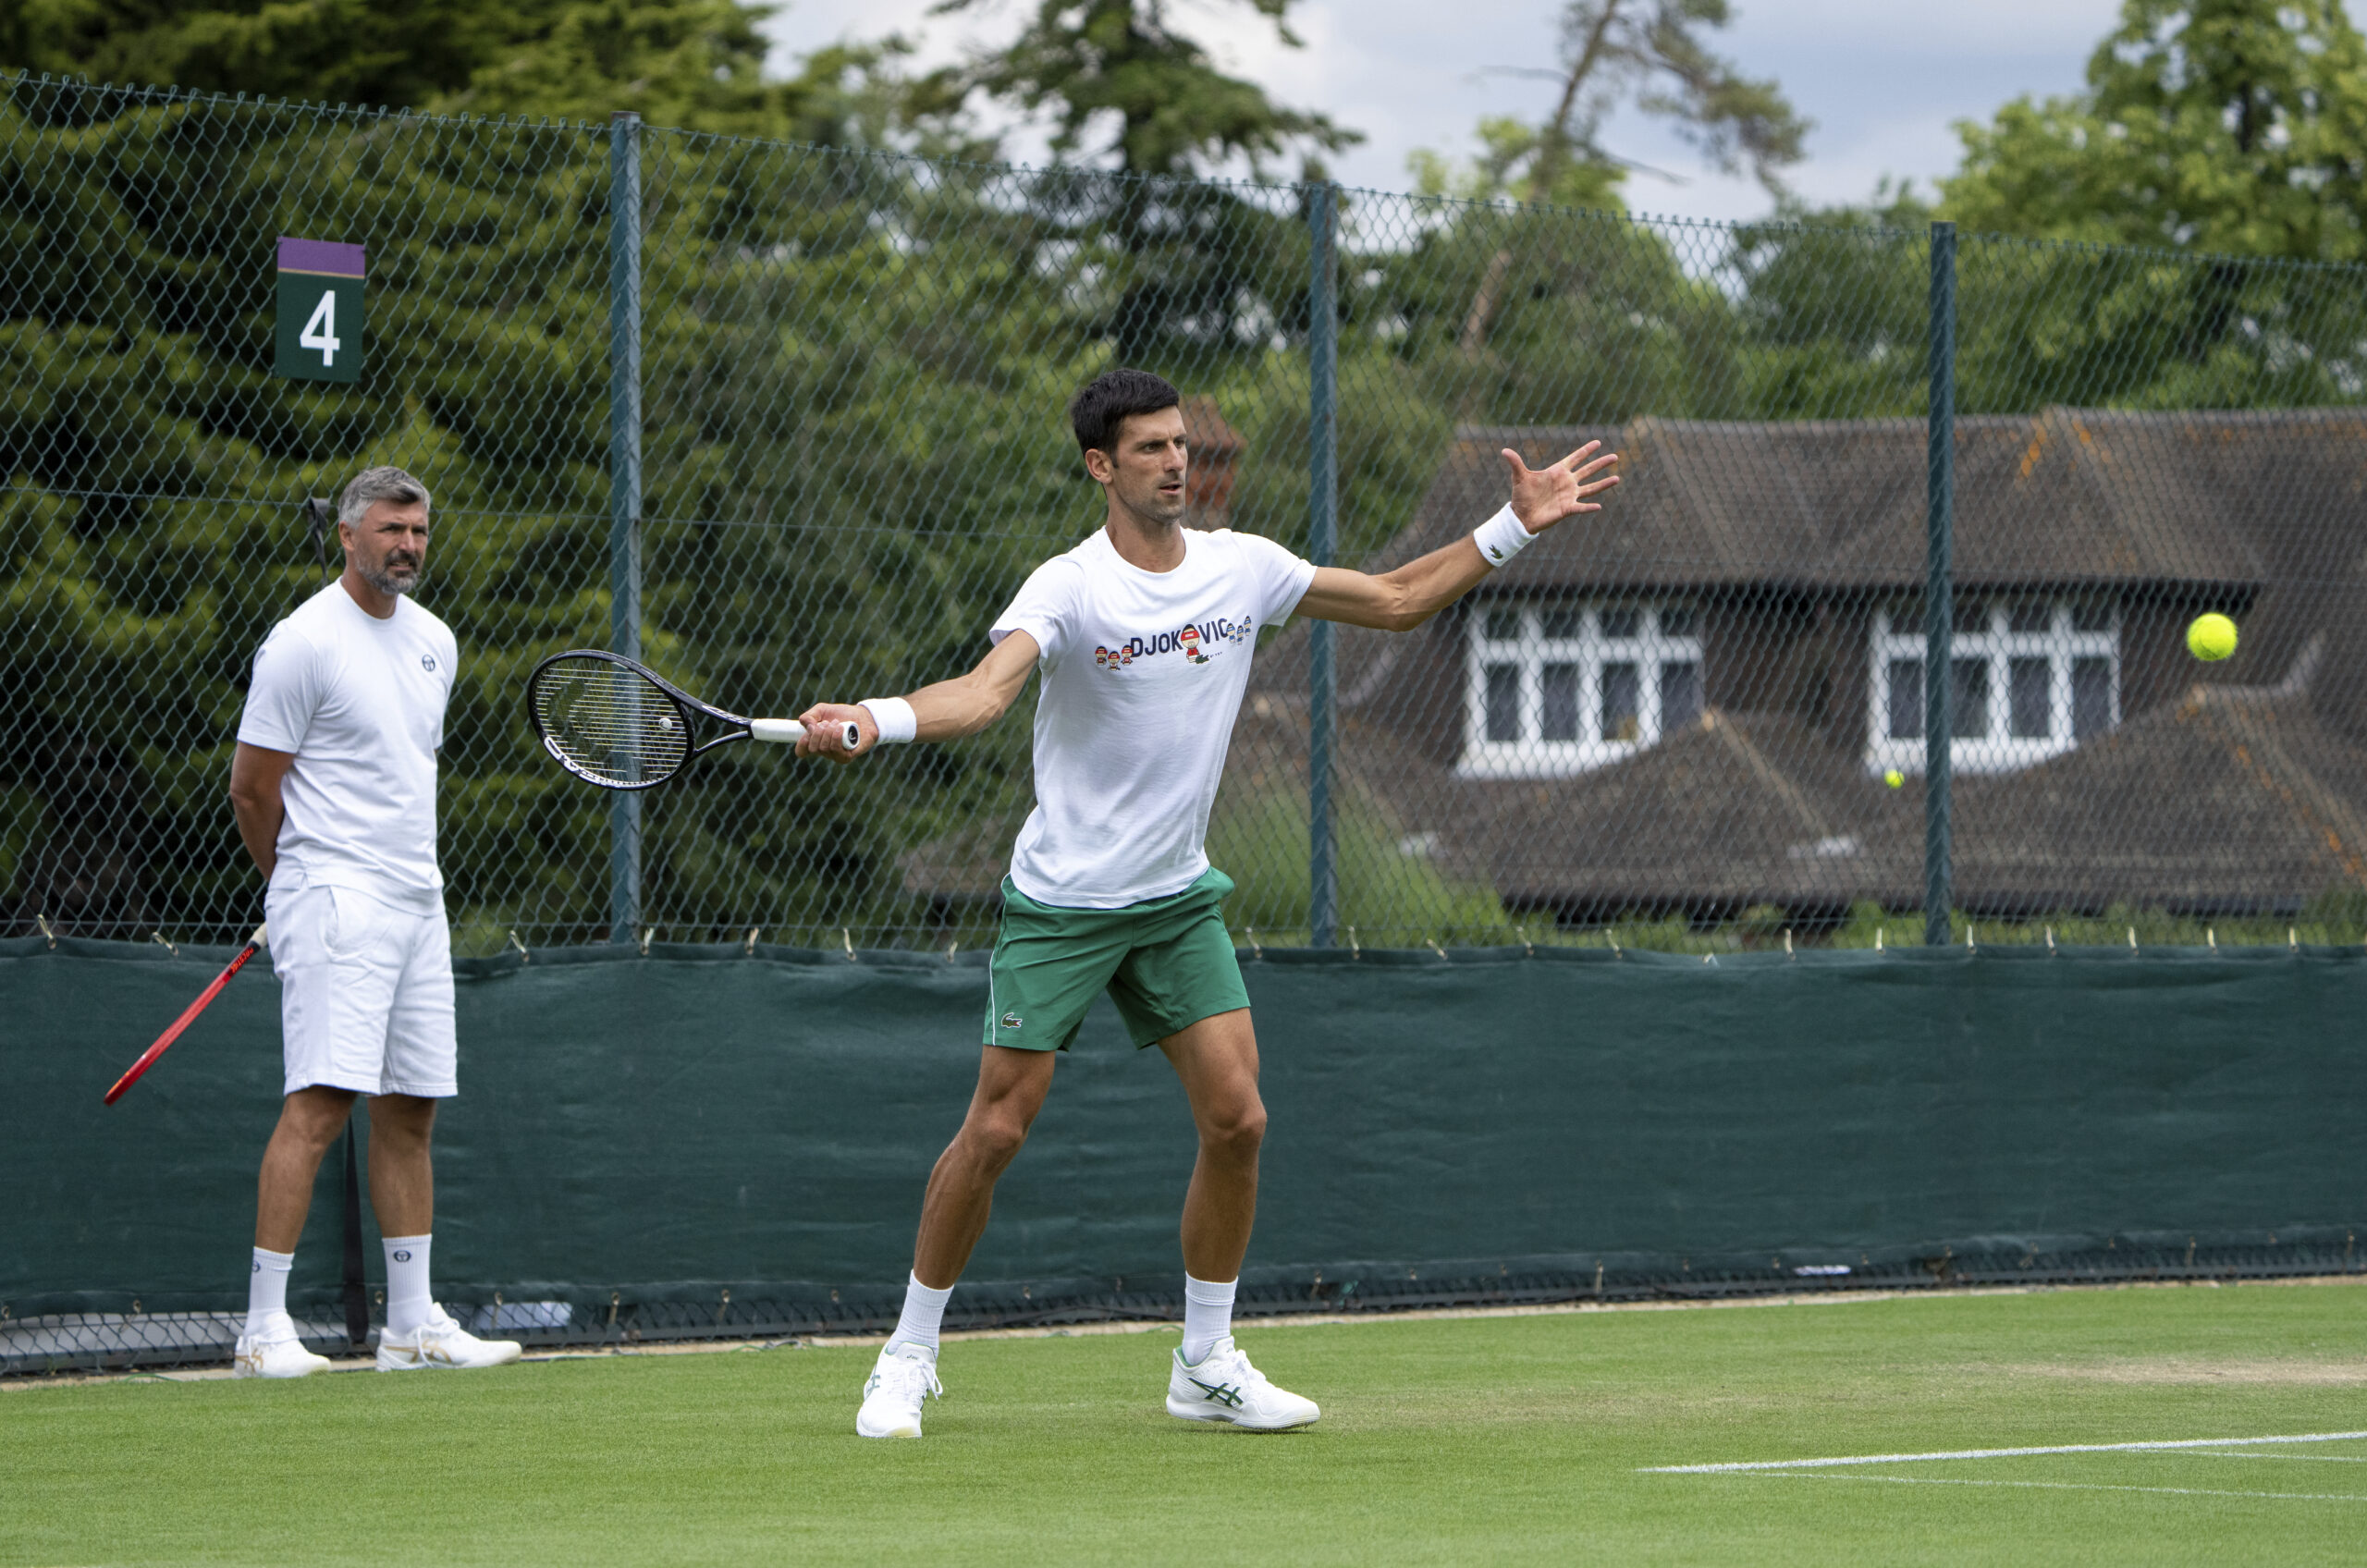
(1443, 1440)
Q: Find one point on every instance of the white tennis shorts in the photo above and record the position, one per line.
(366, 993)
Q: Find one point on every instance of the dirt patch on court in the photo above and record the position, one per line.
(2348, 1373)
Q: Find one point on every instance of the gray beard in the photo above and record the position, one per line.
(386, 584)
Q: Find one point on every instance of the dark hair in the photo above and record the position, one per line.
(1105, 403)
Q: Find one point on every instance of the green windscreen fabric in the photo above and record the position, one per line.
(695, 1121)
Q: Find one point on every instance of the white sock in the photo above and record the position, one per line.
(1207, 1317)
(267, 1287)
(407, 1293)
(924, 1311)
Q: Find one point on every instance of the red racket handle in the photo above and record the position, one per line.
(148, 1058)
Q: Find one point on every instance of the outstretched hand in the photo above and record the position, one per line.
(1543, 497)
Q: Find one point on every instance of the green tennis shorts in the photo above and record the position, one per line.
(1167, 962)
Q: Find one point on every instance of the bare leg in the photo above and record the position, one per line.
(310, 1121)
(1012, 1086)
(1217, 1059)
(402, 1179)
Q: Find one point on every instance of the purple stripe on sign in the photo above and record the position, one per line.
(325, 257)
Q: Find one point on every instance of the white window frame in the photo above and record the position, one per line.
(1999, 751)
(1591, 650)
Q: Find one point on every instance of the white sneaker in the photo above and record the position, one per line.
(905, 1375)
(1224, 1387)
(275, 1353)
(439, 1342)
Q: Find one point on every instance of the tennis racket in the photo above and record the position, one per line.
(148, 1058)
(620, 725)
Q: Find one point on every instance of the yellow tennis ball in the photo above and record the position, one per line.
(2211, 638)
(1893, 778)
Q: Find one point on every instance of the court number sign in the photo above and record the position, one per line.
(320, 311)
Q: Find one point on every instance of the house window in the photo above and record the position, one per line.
(2031, 679)
(1558, 689)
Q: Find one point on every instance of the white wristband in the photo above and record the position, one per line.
(1501, 537)
(898, 723)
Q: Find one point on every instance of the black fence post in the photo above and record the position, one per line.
(624, 486)
(1939, 608)
(1322, 539)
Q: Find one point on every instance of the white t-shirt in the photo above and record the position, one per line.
(1143, 673)
(360, 702)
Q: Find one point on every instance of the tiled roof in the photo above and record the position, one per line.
(2068, 496)
(2229, 798)
(2232, 798)
(1736, 809)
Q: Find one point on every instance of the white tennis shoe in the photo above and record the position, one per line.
(440, 1342)
(905, 1375)
(1224, 1387)
(275, 1353)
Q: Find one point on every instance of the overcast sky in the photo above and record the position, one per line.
(1882, 79)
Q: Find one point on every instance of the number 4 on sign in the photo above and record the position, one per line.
(320, 329)
(316, 325)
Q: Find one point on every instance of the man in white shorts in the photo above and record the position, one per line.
(1143, 634)
(334, 785)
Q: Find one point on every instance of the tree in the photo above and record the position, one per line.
(2234, 126)
(1507, 166)
(1833, 307)
(398, 53)
(1118, 62)
(1647, 51)
(694, 63)
(1651, 53)
(697, 65)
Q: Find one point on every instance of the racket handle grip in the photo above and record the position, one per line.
(788, 732)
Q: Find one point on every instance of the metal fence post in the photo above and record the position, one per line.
(1939, 608)
(624, 484)
(1322, 539)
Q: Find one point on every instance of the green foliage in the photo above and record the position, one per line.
(1508, 166)
(1833, 309)
(2226, 125)
(695, 64)
(1656, 51)
(395, 52)
(1653, 54)
(1120, 61)
(1390, 892)
(691, 63)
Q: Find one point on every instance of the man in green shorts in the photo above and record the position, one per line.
(1143, 635)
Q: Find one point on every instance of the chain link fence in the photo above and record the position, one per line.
(789, 421)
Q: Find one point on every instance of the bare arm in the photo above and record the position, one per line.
(255, 776)
(947, 711)
(1403, 599)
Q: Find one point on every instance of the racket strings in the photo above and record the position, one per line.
(610, 724)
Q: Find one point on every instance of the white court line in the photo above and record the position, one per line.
(2294, 1458)
(1993, 1453)
(2086, 1486)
